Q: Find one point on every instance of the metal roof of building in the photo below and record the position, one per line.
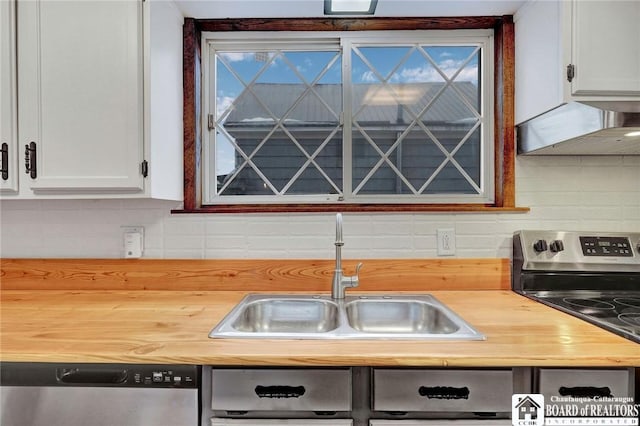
(381, 103)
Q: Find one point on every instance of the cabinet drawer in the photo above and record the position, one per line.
(442, 390)
(504, 422)
(276, 422)
(281, 389)
(584, 383)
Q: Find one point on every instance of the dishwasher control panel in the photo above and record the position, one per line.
(165, 376)
(100, 375)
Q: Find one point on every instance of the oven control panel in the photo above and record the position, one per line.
(606, 246)
(572, 251)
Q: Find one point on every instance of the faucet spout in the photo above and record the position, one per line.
(341, 282)
(339, 228)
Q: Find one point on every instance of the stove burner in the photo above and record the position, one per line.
(628, 301)
(631, 318)
(589, 303)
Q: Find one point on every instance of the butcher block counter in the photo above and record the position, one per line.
(149, 311)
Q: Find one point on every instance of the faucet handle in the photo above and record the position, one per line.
(353, 280)
(358, 267)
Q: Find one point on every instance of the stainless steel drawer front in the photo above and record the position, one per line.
(278, 422)
(281, 389)
(442, 390)
(440, 423)
(584, 383)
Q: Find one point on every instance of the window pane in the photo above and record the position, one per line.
(278, 122)
(414, 111)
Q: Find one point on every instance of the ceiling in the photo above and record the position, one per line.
(218, 9)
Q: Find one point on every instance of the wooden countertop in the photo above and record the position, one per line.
(159, 326)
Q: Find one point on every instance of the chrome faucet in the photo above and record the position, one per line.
(341, 282)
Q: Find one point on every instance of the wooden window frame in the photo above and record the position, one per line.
(504, 131)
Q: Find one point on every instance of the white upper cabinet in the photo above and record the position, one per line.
(605, 47)
(80, 92)
(85, 95)
(8, 112)
(576, 50)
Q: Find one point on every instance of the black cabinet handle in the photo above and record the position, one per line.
(444, 392)
(30, 163)
(5, 162)
(279, 391)
(584, 391)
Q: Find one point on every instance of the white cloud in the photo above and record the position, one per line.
(368, 77)
(223, 103)
(237, 56)
(429, 74)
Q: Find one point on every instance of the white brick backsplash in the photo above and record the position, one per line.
(184, 254)
(480, 242)
(564, 193)
(226, 242)
(183, 242)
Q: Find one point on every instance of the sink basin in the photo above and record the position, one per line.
(287, 316)
(419, 317)
(399, 316)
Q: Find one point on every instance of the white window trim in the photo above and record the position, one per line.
(255, 40)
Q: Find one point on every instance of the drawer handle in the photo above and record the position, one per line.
(278, 391)
(444, 392)
(585, 391)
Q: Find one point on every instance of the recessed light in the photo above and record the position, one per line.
(632, 134)
(350, 7)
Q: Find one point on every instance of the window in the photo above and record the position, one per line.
(348, 120)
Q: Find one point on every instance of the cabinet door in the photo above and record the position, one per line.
(8, 125)
(81, 93)
(605, 51)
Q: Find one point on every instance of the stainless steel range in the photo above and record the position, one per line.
(594, 276)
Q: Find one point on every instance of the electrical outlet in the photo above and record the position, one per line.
(446, 242)
(132, 241)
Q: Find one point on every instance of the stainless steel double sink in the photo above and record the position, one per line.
(419, 317)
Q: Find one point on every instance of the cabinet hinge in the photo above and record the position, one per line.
(30, 163)
(144, 168)
(4, 170)
(210, 124)
(571, 72)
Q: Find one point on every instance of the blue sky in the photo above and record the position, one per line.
(414, 69)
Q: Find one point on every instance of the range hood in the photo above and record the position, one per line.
(578, 128)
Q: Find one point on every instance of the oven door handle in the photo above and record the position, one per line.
(585, 391)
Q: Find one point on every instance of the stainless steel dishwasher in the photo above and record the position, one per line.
(39, 394)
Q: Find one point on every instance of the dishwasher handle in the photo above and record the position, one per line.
(74, 376)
